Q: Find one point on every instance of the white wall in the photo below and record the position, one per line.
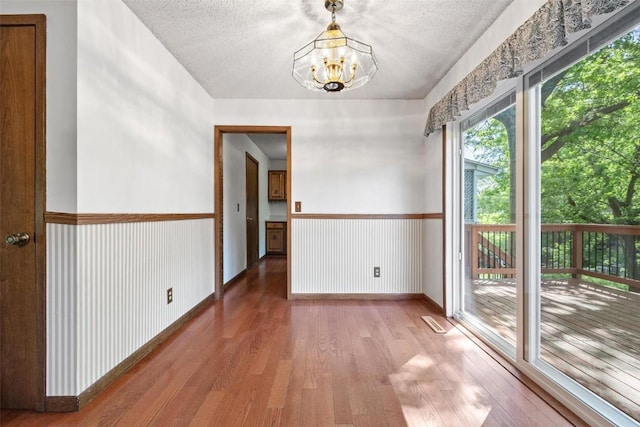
(279, 165)
(144, 145)
(234, 149)
(234, 221)
(433, 259)
(61, 96)
(348, 156)
(145, 134)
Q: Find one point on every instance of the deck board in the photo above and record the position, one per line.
(589, 332)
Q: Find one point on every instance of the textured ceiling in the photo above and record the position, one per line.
(244, 48)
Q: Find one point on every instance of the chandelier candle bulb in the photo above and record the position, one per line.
(334, 62)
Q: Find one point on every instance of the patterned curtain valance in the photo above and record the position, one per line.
(546, 30)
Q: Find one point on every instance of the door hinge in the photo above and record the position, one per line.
(459, 256)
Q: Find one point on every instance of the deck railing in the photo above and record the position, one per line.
(610, 252)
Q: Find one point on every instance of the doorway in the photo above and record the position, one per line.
(219, 185)
(253, 233)
(22, 200)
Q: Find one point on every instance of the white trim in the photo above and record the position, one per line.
(504, 347)
(575, 397)
(531, 226)
(452, 218)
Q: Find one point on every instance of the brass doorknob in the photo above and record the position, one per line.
(17, 239)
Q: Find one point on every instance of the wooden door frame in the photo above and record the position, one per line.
(218, 133)
(39, 22)
(248, 156)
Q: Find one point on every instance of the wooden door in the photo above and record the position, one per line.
(252, 211)
(22, 292)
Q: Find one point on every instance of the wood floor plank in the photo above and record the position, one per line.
(280, 383)
(340, 392)
(257, 359)
(357, 388)
(208, 408)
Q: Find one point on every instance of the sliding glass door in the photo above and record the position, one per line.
(588, 283)
(549, 224)
(488, 167)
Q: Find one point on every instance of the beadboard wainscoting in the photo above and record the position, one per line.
(337, 255)
(432, 262)
(107, 292)
(62, 310)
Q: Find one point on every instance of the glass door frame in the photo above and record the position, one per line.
(506, 91)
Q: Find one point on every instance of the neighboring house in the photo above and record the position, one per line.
(473, 171)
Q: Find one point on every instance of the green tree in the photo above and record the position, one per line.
(590, 145)
(591, 138)
(488, 142)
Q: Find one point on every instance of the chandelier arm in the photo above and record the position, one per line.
(352, 76)
(314, 73)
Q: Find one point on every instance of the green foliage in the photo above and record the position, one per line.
(488, 143)
(590, 143)
(589, 152)
(591, 134)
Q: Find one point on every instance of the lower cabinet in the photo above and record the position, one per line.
(276, 238)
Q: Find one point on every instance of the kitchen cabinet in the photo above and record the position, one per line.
(277, 185)
(276, 238)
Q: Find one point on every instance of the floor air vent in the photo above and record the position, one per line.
(433, 324)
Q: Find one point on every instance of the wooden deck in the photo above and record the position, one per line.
(589, 332)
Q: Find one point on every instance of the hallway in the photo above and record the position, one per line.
(257, 359)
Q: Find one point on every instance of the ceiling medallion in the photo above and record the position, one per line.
(333, 62)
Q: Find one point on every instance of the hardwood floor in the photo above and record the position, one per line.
(257, 359)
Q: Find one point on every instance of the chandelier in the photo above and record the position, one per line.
(333, 62)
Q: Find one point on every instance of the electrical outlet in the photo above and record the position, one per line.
(376, 271)
(169, 295)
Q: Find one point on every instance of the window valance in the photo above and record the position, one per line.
(546, 30)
